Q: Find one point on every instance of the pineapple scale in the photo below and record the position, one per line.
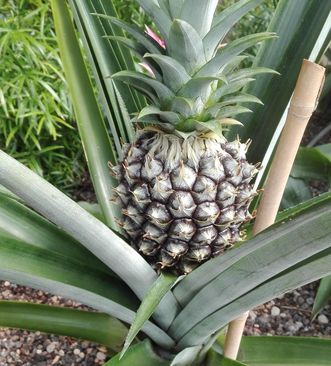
(183, 200)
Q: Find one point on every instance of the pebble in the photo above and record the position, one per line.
(275, 311)
(300, 300)
(24, 348)
(56, 360)
(310, 300)
(50, 348)
(101, 356)
(299, 325)
(323, 319)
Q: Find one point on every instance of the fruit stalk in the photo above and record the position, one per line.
(302, 106)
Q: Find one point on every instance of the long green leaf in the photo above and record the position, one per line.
(265, 256)
(90, 232)
(291, 212)
(160, 18)
(312, 163)
(173, 73)
(227, 53)
(41, 261)
(109, 56)
(93, 208)
(137, 34)
(92, 326)
(175, 7)
(185, 45)
(92, 31)
(97, 145)
(199, 14)
(298, 24)
(31, 266)
(139, 354)
(323, 295)
(296, 191)
(215, 359)
(159, 289)
(74, 220)
(224, 21)
(285, 351)
(188, 356)
(204, 274)
(24, 224)
(6, 192)
(146, 84)
(305, 272)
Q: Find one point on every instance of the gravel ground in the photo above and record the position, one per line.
(24, 348)
(288, 315)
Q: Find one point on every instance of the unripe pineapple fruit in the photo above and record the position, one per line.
(184, 189)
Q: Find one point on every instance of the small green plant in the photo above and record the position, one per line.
(130, 11)
(36, 118)
(256, 21)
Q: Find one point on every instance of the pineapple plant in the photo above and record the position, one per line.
(49, 242)
(184, 189)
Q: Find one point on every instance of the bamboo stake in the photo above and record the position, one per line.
(302, 106)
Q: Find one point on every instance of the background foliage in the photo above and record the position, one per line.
(36, 120)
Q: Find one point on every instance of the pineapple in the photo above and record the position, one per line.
(184, 189)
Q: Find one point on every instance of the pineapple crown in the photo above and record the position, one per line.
(194, 83)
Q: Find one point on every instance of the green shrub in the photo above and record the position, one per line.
(256, 21)
(36, 119)
(130, 11)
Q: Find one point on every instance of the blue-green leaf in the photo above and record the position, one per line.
(224, 21)
(159, 289)
(170, 116)
(137, 33)
(204, 274)
(138, 354)
(323, 295)
(185, 45)
(146, 85)
(285, 351)
(87, 325)
(199, 14)
(175, 7)
(198, 87)
(160, 18)
(96, 141)
(228, 52)
(173, 73)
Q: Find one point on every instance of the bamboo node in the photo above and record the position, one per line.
(301, 111)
